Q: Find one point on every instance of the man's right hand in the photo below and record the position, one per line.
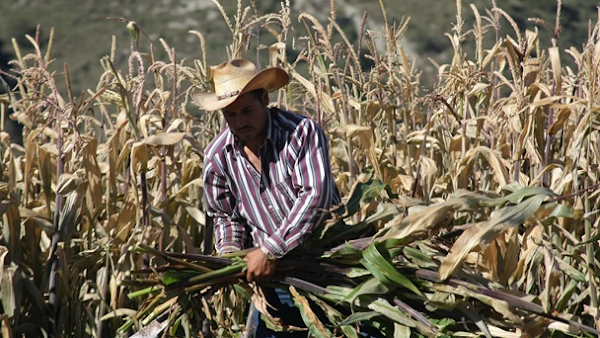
(260, 268)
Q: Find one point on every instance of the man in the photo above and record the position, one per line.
(267, 177)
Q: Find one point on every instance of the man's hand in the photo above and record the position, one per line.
(259, 267)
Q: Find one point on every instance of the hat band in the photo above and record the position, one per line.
(227, 95)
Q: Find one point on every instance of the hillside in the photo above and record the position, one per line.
(83, 34)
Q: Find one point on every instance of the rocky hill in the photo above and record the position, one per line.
(83, 34)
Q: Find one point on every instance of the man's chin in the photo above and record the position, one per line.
(244, 134)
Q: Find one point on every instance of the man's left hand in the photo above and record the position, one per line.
(259, 267)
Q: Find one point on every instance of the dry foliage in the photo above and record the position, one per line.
(484, 188)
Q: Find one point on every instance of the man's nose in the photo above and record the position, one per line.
(241, 121)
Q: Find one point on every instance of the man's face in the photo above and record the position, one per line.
(247, 117)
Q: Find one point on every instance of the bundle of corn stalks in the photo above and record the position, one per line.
(419, 275)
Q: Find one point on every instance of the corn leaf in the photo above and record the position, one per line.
(381, 267)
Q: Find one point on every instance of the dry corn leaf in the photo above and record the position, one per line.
(492, 54)
(176, 124)
(500, 333)
(483, 233)
(69, 216)
(93, 175)
(139, 157)
(498, 165)
(276, 52)
(113, 289)
(315, 326)
(5, 137)
(554, 55)
(259, 301)
(67, 183)
(122, 312)
(23, 119)
(531, 71)
(152, 330)
(30, 154)
(510, 259)
(7, 289)
(429, 172)
(324, 99)
(196, 214)
(185, 189)
(531, 239)
(562, 117)
(126, 219)
(422, 221)
(564, 327)
(166, 139)
(499, 305)
(124, 153)
(3, 253)
(489, 259)
(545, 101)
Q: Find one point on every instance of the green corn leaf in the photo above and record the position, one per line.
(228, 270)
(360, 194)
(561, 210)
(594, 239)
(378, 274)
(371, 286)
(566, 295)
(344, 252)
(570, 270)
(143, 292)
(173, 276)
(357, 317)
(523, 193)
(357, 272)
(385, 211)
(386, 309)
(337, 293)
(418, 258)
(338, 233)
(384, 271)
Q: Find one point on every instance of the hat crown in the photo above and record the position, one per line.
(232, 76)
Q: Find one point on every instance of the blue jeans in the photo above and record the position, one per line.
(283, 303)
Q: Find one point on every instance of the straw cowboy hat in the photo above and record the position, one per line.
(233, 78)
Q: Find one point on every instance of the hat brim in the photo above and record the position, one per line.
(269, 79)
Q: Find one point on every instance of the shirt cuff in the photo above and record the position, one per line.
(228, 248)
(268, 254)
(275, 247)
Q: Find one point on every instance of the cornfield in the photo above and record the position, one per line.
(469, 209)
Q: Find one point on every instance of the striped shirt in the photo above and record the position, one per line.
(279, 206)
